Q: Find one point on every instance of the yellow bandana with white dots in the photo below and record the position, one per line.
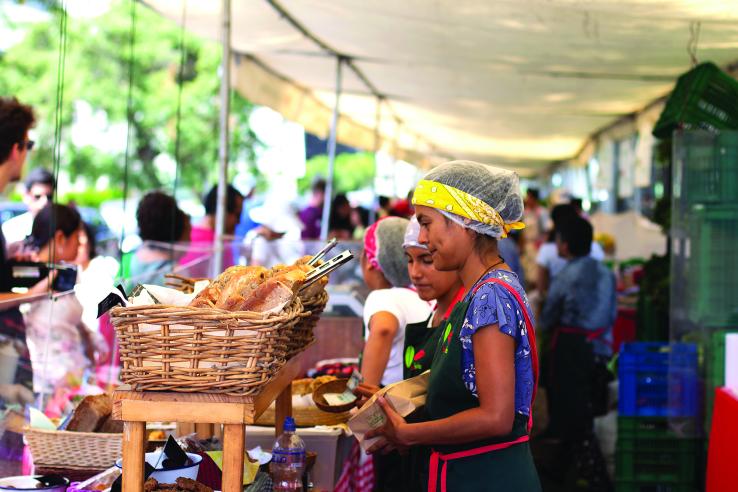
(444, 197)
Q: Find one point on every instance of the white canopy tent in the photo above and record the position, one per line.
(512, 82)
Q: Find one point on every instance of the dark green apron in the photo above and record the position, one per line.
(498, 464)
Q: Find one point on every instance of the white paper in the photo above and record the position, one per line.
(731, 361)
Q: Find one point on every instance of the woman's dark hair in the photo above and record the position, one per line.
(577, 234)
(91, 239)
(61, 217)
(159, 218)
(15, 120)
(211, 200)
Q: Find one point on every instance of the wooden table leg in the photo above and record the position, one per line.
(282, 409)
(204, 431)
(234, 447)
(133, 456)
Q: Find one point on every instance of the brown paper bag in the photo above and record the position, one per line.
(405, 396)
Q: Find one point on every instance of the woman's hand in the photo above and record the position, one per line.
(393, 434)
(364, 392)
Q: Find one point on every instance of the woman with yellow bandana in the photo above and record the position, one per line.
(485, 370)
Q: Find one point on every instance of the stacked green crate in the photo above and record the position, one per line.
(650, 457)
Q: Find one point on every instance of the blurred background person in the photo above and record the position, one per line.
(312, 215)
(61, 346)
(277, 239)
(341, 226)
(548, 259)
(160, 223)
(202, 234)
(38, 190)
(535, 217)
(579, 313)
(16, 119)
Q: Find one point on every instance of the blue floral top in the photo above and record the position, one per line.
(493, 304)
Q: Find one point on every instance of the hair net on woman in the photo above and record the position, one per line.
(411, 235)
(483, 198)
(383, 247)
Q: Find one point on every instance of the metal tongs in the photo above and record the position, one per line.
(320, 254)
(327, 267)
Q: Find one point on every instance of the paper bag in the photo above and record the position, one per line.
(405, 396)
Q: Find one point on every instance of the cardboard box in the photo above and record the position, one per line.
(331, 444)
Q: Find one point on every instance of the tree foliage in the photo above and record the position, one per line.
(353, 171)
(97, 73)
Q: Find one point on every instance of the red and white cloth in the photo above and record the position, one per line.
(357, 474)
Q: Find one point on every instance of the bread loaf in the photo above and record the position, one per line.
(241, 285)
(91, 413)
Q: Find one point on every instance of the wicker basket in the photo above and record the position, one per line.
(205, 350)
(73, 450)
(303, 335)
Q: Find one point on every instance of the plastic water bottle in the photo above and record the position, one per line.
(288, 459)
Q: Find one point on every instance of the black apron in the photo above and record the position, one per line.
(499, 464)
(421, 340)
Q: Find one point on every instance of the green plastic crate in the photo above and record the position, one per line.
(631, 486)
(713, 267)
(705, 97)
(647, 450)
(709, 168)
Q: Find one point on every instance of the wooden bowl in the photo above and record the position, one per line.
(335, 386)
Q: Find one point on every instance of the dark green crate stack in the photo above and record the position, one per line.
(713, 268)
(704, 98)
(650, 457)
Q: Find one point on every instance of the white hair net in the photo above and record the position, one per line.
(498, 188)
(390, 253)
(411, 235)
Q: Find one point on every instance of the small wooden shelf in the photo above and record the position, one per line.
(135, 408)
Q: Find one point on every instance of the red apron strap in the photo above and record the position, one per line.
(459, 296)
(437, 457)
(531, 337)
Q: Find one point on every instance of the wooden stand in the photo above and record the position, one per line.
(135, 408)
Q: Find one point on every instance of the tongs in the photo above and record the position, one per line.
(326, 268)
(320, 254)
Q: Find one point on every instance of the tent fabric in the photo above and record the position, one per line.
(517, 83)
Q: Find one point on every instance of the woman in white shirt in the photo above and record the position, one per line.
(391, 305)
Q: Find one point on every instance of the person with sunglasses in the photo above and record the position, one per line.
(15, 121)
(38, 191)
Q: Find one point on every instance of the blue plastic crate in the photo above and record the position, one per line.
(658, 380)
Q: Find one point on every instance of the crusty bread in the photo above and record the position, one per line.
(91, 413)
(270, 296)
(241, 284)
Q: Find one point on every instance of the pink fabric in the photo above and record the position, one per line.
(199, 236)
(201, 241)
(370, 245)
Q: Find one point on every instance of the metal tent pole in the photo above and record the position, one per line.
(377, 145)
(324, 223)
(225, 106)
